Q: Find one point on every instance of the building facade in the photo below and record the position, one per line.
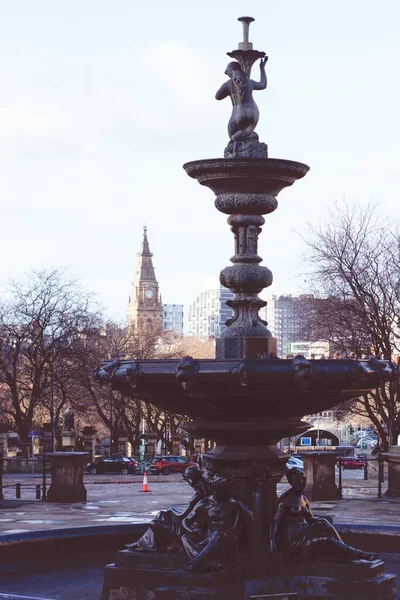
(144, 307)
(208, 313)
(173, 318)
(313, 350)
(283, 314)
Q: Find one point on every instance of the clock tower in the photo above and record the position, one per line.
(144, 307)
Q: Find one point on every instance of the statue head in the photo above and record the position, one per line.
(234, 71)
(194, 476)
(297, 478)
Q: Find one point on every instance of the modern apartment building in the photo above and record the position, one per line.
(283, 314)
(208, 313)
(173, 318)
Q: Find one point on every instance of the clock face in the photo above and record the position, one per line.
(148, 294)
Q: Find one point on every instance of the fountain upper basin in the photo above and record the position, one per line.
(220, 389)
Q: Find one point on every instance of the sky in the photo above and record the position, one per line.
(102, 102)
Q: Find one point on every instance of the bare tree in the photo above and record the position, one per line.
(355, 278)
(113, 409)
(39, 321)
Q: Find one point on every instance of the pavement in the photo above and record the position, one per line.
(113, 499)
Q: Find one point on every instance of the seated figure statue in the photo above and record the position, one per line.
(299, 535)
(245, 114)
(211, 532)
(163, 533)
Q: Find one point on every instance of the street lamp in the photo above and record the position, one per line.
(52, 398)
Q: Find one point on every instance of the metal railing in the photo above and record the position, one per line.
(40, 489)
(379, 460)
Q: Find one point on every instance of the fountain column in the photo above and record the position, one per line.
(246, 183)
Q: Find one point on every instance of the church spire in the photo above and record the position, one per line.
(145, 248)
(144, 266)
(144, 306)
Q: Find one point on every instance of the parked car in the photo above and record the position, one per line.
(170, 464)
(353, 462)
(295, 461)
(114, 464)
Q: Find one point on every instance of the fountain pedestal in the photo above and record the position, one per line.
(393, 460)
(155, 576)
(319, 468)
(67, 477)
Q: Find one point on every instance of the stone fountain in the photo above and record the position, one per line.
(246, 400)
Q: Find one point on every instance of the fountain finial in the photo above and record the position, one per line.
(245, 45)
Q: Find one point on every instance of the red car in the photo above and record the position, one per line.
(353, 462)
(170, 464)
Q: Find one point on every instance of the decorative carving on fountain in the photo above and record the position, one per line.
(105, 372)
(302, 372)
(132, 374)
(242, 372)
(186, 371)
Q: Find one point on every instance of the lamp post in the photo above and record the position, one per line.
(52, 398)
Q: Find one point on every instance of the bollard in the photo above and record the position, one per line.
(37, 491)
(340, 484)
(18, 490)
(366, 470)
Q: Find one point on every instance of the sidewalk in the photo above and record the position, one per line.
(120, 500)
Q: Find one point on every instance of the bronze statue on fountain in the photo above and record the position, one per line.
(243, 401)
(299, 535)
(164, 532)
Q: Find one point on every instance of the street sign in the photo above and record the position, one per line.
(305, 441)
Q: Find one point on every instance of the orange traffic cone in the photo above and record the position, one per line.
(145, 487)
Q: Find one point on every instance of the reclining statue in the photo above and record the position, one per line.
(299, 535)
(213, 529)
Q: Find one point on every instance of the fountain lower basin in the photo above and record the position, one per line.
(83, 552)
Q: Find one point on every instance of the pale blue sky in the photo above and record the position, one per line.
(103, 101)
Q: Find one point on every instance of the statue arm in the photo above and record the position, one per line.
(245, 512)
(262, 84)
(223, 91)
(192, 518)
(274, 526)
(193, 501)
(308, 513)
